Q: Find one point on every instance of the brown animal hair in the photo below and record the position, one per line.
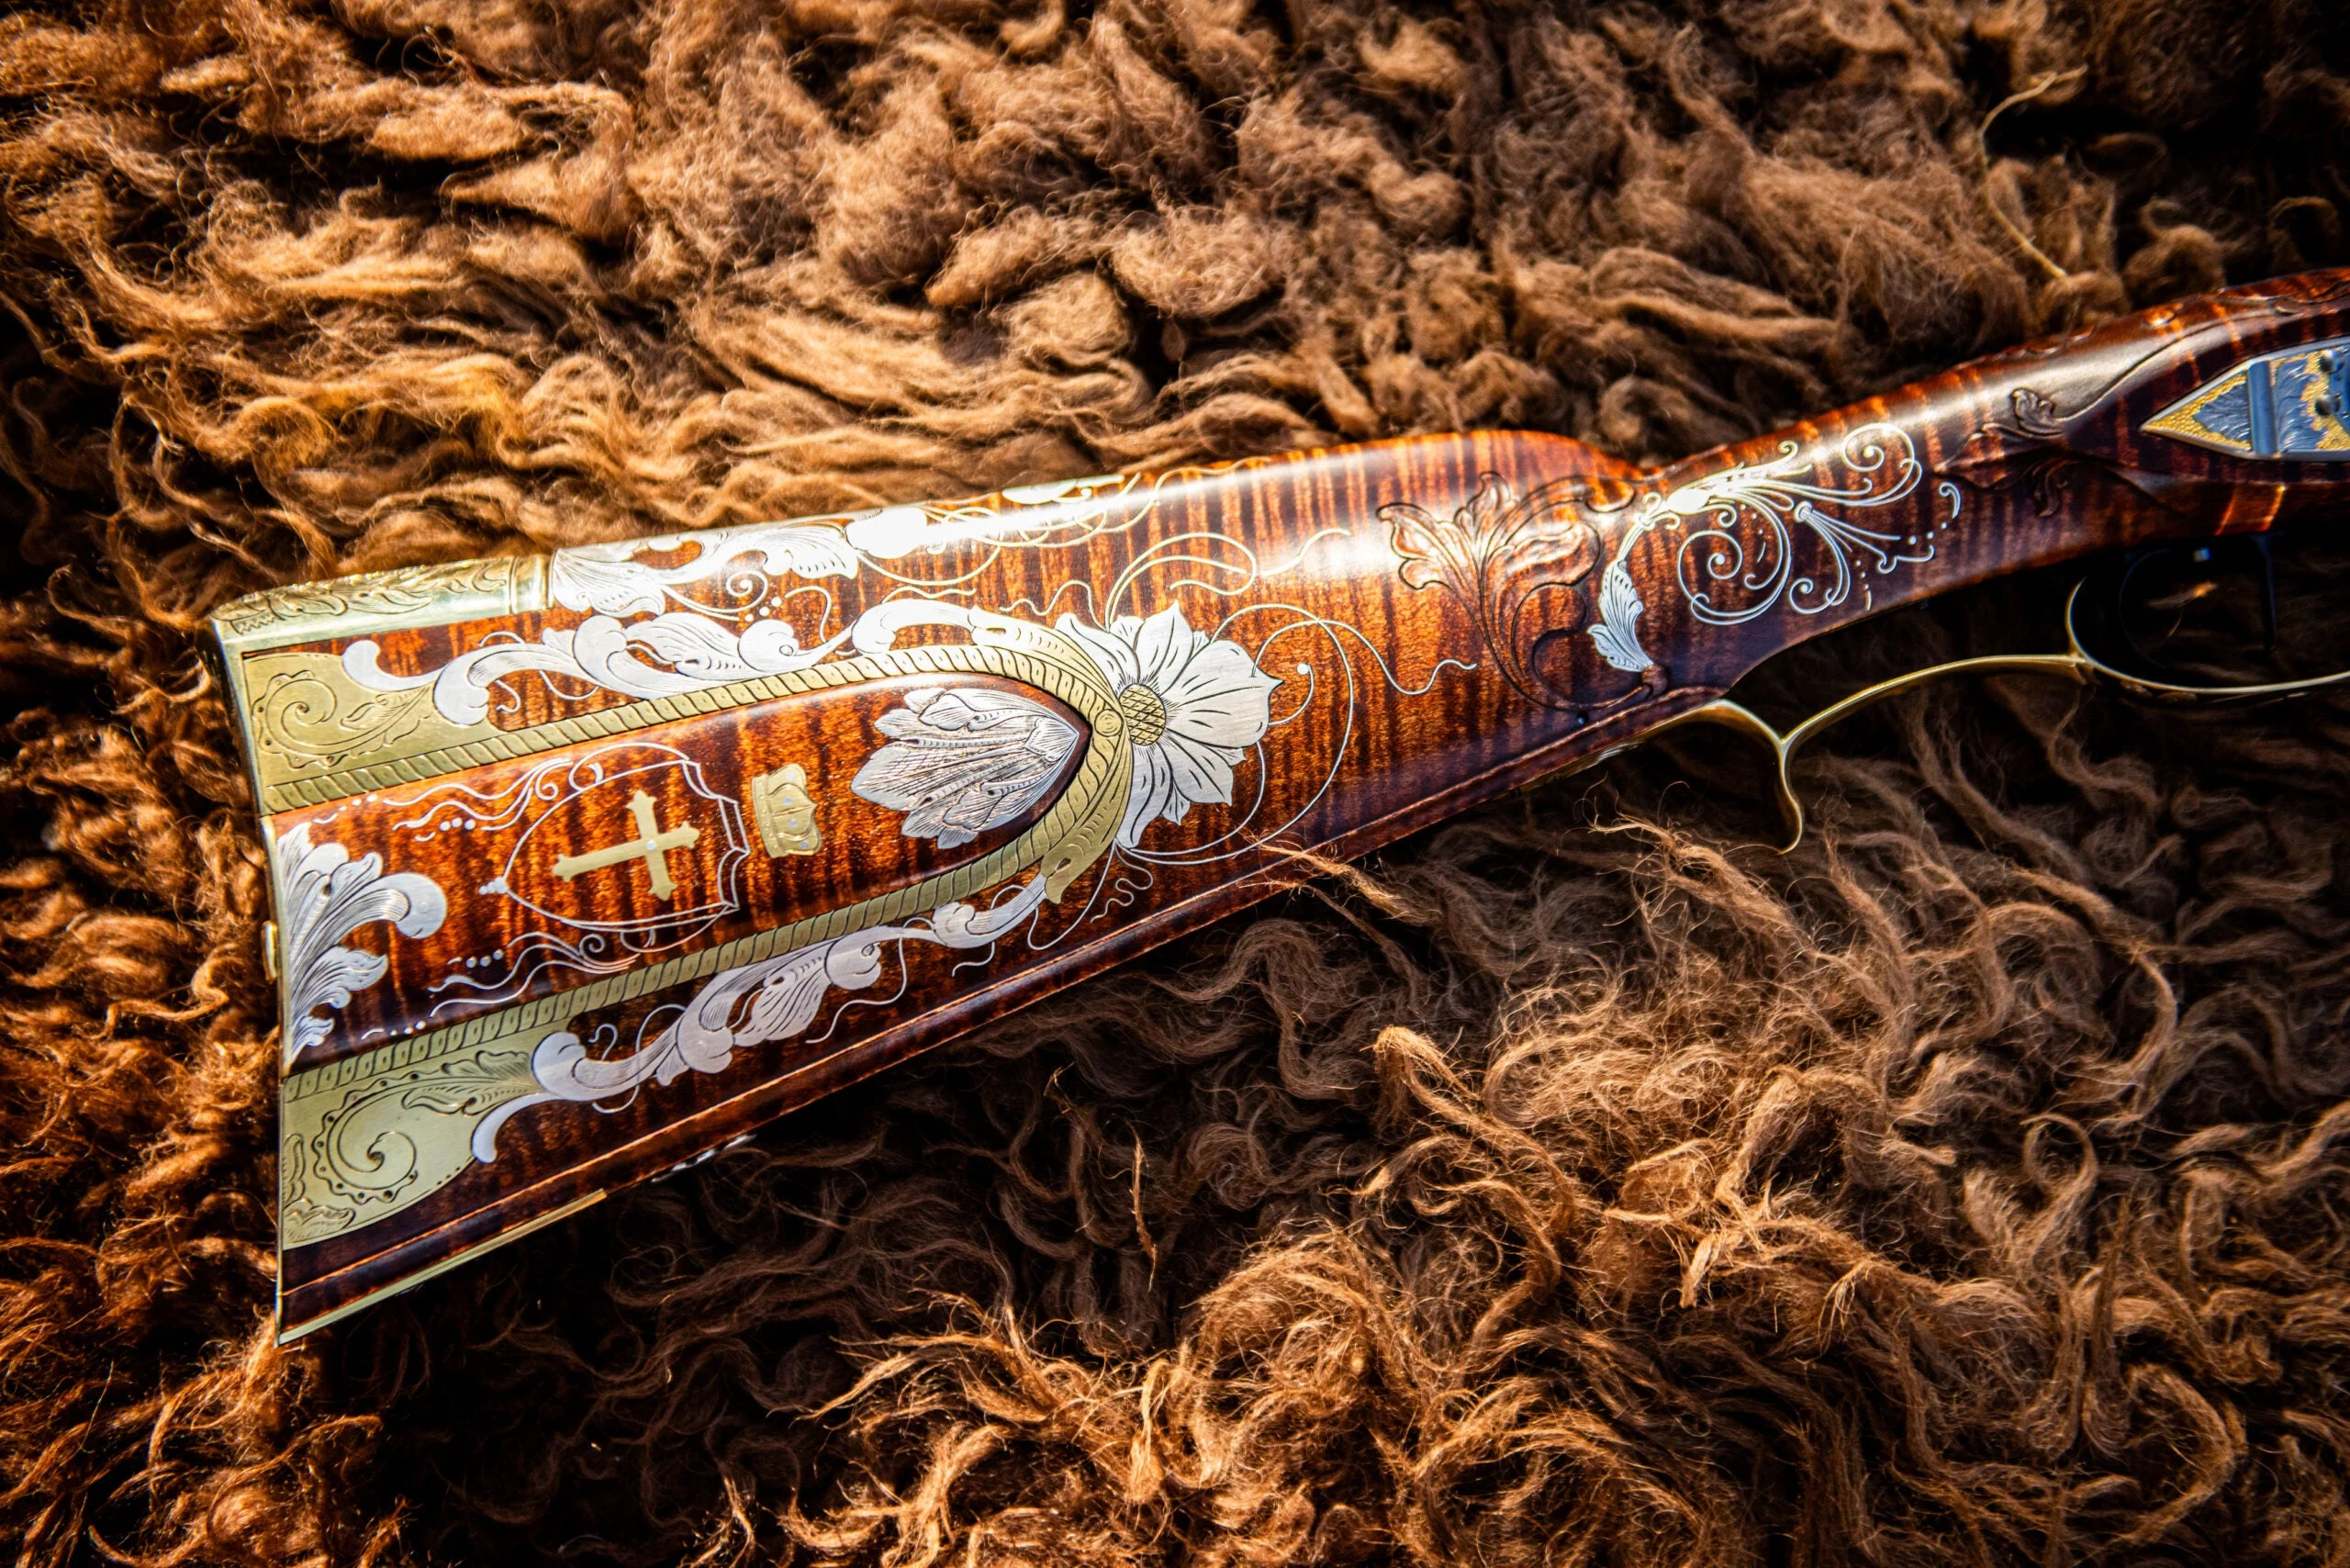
(1577, 1183)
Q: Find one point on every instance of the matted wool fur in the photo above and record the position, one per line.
(1578, 1182)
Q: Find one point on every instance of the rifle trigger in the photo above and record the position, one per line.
(2076, 663)
(1784, 747)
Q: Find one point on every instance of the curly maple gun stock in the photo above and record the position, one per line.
(587, 864)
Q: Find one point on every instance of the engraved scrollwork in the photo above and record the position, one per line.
(395, 1135)
(698, 653)
(1509, 560)
(655, 626)
(737, 572)
(317, 714)
(351, 1159)
(307, 717)
(1171, 711)
(1187, 706)
(739, 565)
(454, 589)
(2022, 449)
(1719, 514)
(1061, 513)
(380, 1132)
(323, 895)
(2034, 415)
(754, 1004)
(1737, 559)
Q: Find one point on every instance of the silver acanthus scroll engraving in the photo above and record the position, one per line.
(731, 576)
(1191, 706)
(614, 579)
(665, 617)
(755, 1005)
(1737, 559)
(700, 655)
(1172, 712)
(323, 896)
(961, 763)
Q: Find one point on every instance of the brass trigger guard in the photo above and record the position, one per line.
(2077, 664)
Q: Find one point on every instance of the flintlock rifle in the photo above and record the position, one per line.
(585, 864)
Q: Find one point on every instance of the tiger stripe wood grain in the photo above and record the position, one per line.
(542, 924)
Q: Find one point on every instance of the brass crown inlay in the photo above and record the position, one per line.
(786, 813)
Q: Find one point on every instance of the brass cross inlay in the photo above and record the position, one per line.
(651, 846)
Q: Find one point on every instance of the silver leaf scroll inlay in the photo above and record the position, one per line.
(324, 897)
(963, 761)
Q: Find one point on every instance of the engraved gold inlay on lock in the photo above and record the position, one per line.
(2320, 411)
(651, 846)
(786, 813)
(2293, 405)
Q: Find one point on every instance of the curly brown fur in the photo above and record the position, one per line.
(1575, 1184)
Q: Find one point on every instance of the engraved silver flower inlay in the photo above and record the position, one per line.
(1194, 705)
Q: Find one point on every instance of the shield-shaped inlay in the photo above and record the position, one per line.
(628, 840)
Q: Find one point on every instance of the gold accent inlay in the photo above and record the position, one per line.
(365, 1138)
(2182, 421)
(651, 846)
(786, 813)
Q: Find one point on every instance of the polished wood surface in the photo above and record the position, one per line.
(522, 826)
(1431, 621)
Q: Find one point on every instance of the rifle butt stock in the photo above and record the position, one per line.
(584, 865)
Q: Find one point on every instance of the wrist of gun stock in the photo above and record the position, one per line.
(2220, 416)
(585, 864)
